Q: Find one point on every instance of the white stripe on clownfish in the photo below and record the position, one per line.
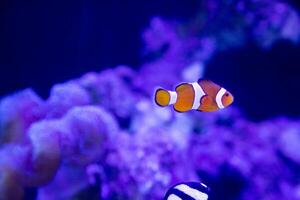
(173, 97)
(199, 93)
(174, 197)
(196, 194)
(219, 96)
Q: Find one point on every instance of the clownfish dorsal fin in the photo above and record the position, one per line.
(204, 81)
(209, 87)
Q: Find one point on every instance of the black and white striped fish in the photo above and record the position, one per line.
(187, 191)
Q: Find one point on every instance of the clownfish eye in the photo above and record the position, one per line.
(226, 94)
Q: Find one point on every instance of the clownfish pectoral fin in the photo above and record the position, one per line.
(205, 100)
(162, 97)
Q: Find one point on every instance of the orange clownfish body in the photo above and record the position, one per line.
(203, 95)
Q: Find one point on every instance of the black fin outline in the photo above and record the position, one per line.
(178, 110)
(180, 85)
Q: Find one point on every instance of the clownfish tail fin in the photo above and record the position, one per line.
(164, 97)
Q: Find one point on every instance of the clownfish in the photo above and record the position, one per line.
(203, 95)
(188, 191)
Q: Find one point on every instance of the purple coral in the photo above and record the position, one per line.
(147, 168)
(77, 139)
(17, 113)
(65, 96)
